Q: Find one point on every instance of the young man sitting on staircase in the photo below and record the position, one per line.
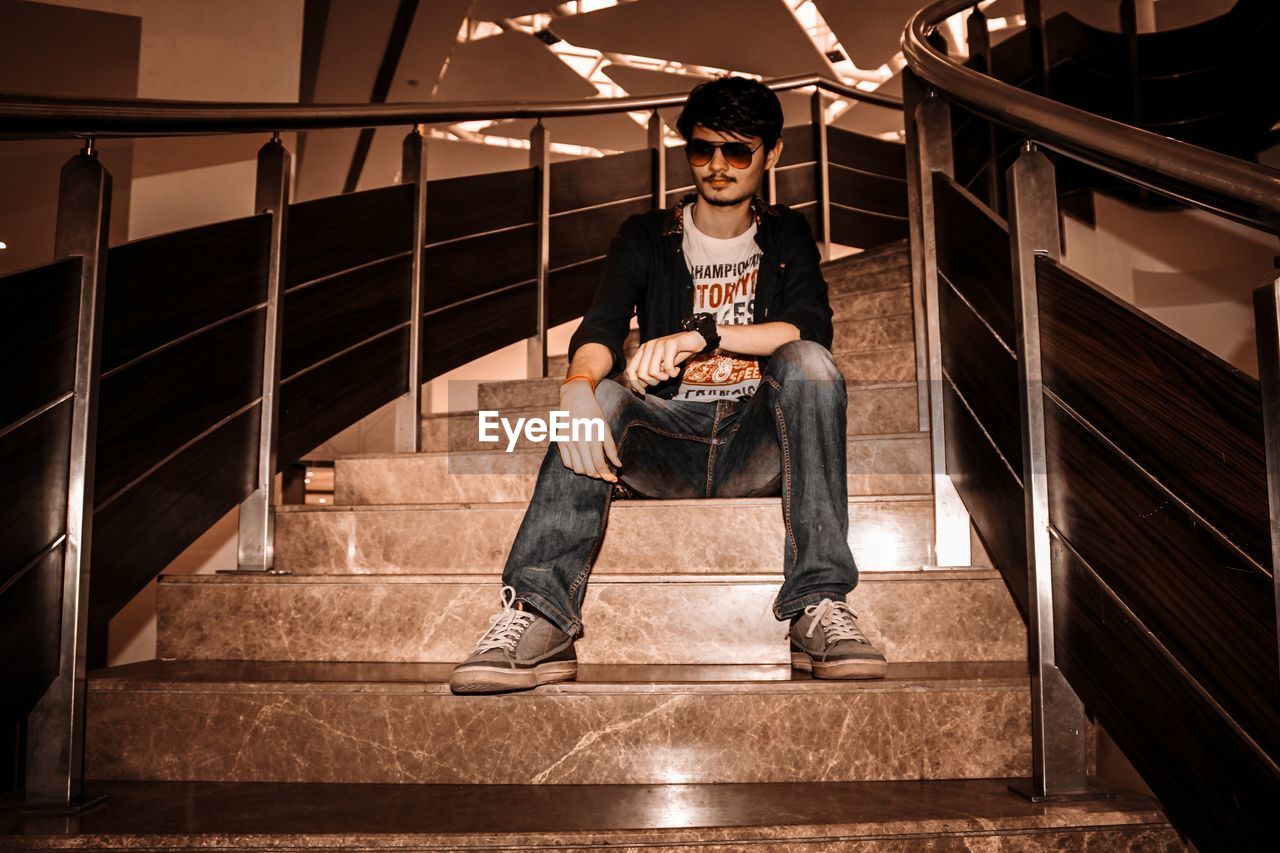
(732, 393)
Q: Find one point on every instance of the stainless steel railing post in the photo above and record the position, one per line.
(255, 545)
(822, 183)
(1059, 748)
(540, 158)
(1266, 309)
(413, 170)
(55, 727)
(657, 144)
(928, 124)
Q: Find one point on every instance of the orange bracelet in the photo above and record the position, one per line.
(590, 381)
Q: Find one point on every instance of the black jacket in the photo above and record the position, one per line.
(645, 274)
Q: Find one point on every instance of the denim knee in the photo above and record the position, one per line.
(806, 360)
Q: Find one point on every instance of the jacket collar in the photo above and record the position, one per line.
(673, 221)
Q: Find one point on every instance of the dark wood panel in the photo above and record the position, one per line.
(154, 406)
(1216, 616)
(477, 265)
(39, 310)
(33, 468)
(597, 180)
(985, 373)
(867, 192)
(457, 335)
(810, 214)
(333, 234)
(340, 312)
(675, 196)
(974, 254)
(865, 230)
(1186, 417)
(571, 290)
(31, 616)
(161, 288)
(796, 185)
(142, 532)
(990, 492)
(319, 404)
(866, 153)
(1214, 786)
(586, 234)
(460, 207)
(797, 145)
(679, 172)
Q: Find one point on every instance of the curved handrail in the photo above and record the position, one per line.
(1239, 190)
(32, 116)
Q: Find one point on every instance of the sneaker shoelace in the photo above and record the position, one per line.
(838, 620)
(507, 627)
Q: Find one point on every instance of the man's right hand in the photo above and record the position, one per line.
(586, 456)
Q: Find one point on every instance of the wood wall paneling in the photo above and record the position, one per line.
(797, 145)
(868, 192)
(142, 532)
(862, 229)
(990, 492)
(39, 309)
(796, 184)
(679, 172)
(329, 235)
(586, 234)
(1187, 418)
(474, 204)
(984, 372)
(1214, 785)
(1216, 615)
(327, 317)
(154, 406)
(321, 402)
(590, 181)
(973, 253)
(33, 468)
(571, 290)
(477, 265)
(455, 336)
(866, 153)
(164, 287)
(29, 643)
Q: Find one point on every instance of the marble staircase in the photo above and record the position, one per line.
(337, 671)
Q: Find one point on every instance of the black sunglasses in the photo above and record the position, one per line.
(736, 154)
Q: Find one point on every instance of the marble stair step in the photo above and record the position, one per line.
(698, 536)
(961, 615)
(867, 304)
(897, 274)
(335, 722)
(877, 817)
(872, 409)
(877, 465)
(875, 333)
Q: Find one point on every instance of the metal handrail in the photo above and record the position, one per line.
(35, 116)
(1242, 191)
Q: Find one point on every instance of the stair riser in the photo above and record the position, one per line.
(875, 333)
(895, 274)
(710, 621)
(414, 734)
(874, 303)
(870, 410)
(498, 476)
(744, 538)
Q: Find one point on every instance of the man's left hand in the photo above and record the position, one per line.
(659, 359)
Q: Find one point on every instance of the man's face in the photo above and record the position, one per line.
(721, 184)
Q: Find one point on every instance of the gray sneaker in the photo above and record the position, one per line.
(826, 641)
(519, 651)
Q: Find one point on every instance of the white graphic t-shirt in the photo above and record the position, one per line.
(724, 284)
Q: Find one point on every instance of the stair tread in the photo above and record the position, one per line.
(706, 503)
(918, 576)
(592, 678)
(179, 815)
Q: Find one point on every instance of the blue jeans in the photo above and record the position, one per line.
(788, 438)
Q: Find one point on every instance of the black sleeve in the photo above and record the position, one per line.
(804, 290)
(621, 287)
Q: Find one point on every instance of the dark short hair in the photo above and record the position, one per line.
(738, 105)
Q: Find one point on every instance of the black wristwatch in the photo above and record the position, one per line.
(705, 325)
